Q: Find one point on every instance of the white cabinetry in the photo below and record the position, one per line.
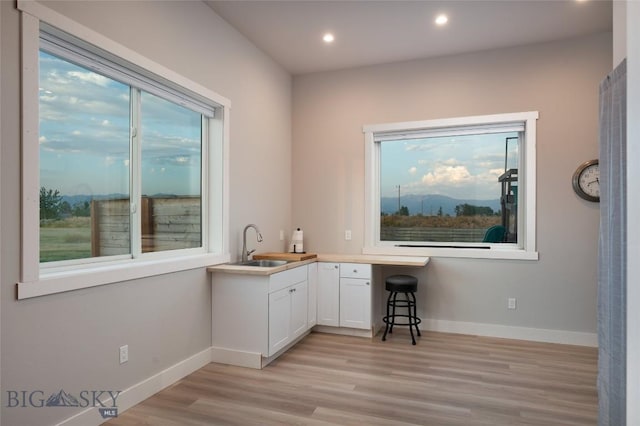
(329, 294)
(256, 316)
(287, 315)
(312, 311)
(299, 309)
(279, 319)
(345, 295)
(355, 295)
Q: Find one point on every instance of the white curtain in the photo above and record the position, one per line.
(612, 282)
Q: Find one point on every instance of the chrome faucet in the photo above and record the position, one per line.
(245, 253)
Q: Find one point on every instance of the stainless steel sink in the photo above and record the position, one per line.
(265, 263)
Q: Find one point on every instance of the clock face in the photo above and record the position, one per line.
(586, 181)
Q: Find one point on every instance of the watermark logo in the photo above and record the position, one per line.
(104, 400)
(108, 413)
(62, 399)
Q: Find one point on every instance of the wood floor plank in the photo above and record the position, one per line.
(445, 380)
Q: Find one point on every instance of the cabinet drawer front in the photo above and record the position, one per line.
(286, 278)
(355, 270)
(328, 266)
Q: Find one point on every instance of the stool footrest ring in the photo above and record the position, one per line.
(391, 321)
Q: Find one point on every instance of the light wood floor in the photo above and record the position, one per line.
(446, 379)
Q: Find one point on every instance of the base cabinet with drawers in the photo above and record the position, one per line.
(345, 295)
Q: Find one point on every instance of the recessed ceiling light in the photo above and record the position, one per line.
(442, 19)
(328, 38)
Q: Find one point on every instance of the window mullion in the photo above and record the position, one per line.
(135, 167)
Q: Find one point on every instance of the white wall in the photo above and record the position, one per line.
(619, 31)
(560, 80)
(70, 341)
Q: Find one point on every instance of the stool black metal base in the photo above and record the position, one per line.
(407, 285)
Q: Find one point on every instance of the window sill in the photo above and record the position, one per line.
(510, 253)
(108, 274)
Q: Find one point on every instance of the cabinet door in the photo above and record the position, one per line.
(299, 309)
(312, 307)
(355, 303)
(329, 294)
(279, 319)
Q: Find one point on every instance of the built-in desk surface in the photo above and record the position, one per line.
(374, 259)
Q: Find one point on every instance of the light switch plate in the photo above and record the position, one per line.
(124, 354)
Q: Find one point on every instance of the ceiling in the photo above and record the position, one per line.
(376, 32)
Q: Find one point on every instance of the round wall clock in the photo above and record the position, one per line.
(586, 180)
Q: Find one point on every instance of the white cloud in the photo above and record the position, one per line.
(42, 139)
(445, 174)
(413, 170)
(90, 77)
(48, 97)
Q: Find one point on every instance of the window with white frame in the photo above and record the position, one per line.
(121, 157)
(128, 161)
(461, 187)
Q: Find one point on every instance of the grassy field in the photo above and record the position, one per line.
(65, 239)
(457, 222)
(436, 228)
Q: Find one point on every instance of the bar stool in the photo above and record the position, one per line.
(408, 285)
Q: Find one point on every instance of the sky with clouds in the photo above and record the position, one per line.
(84, 136)
(463, 167)
(84, 145)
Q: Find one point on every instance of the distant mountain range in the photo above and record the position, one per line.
(75, 199)
(429, 205)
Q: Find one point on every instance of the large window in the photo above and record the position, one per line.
(124, 163)
(120, 168)
(456, 187)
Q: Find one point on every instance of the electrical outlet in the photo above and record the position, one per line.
(124, 354)
(511, 303)
(347, 235)
(281, 235)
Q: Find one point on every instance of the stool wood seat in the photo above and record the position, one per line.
(407, 285)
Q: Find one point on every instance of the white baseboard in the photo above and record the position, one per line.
(237, 358)
(345, 331)
(511, 332)
(143, 390)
